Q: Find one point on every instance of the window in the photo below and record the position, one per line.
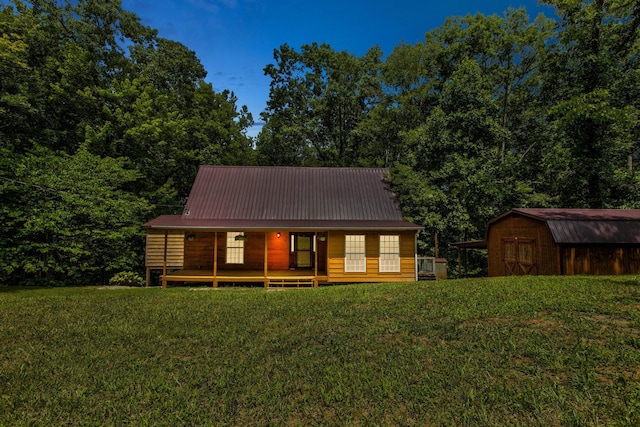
(389, 254)
(235, 247)
(354, 254)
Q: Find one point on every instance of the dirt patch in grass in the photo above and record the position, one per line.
(542, 323)
(473, 323)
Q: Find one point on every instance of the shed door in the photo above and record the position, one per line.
(519, 256)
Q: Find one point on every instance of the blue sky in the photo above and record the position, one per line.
(235, 39)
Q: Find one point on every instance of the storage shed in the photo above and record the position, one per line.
(564, 242)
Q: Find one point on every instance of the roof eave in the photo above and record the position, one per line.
(284, 228)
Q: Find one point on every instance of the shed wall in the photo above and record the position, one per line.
(600, 260)
(545, 255)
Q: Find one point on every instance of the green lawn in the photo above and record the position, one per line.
(532, 351)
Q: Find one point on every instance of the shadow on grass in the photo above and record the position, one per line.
(11, 289)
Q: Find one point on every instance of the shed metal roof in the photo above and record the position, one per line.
(259, 197)
(581, 214)
(586, 226)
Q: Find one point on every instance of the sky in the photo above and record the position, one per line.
(235, 39)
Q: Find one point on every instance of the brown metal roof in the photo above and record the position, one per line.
(584, 226)
(581, 214)
(257, 197)
(603, 232)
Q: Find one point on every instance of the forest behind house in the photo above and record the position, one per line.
(103, 125)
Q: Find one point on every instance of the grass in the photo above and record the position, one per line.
(505, 351)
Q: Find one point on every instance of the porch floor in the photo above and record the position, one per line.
(273, 278)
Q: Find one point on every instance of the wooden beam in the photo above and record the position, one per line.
(316, 245)
(215, 259)
(164, 264)
(415, 255)
(148, 277)
(266, 251)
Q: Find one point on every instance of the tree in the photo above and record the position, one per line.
(87, 89)
(68, 219)
(318, 99)
(592, 90)
(465, 107)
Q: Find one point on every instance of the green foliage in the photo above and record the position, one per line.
(487, 352)
(591, 84)
(69, 219)
(318, 100)
(126, 278)
(104, 125)
(487, 113)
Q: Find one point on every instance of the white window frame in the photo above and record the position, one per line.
(235, 248)
(355, 253)
(389, 261)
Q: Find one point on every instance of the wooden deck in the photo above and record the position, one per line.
(279, 278)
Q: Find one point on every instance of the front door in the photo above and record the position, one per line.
(302, 251)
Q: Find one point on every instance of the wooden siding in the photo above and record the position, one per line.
(198, 253)
(335, 268)
(545, 256)
(278, 258)
(154, 254)
(253, 252)
(600, 260)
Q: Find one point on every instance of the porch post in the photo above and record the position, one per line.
(266, 251)
(215, 259)
(315, 278)
(164, 263)
(415, 255)
(148, 277)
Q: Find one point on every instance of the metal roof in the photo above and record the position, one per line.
(584, 226)
(581, 214)
(260, 197)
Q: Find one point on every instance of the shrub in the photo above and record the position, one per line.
(126, 278)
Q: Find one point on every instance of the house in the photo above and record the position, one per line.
(285, 226)
(564, 242)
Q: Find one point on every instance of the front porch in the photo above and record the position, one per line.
(273, 258)
(279, 278)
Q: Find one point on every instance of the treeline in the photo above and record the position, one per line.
(103, 125)
(487, 114)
